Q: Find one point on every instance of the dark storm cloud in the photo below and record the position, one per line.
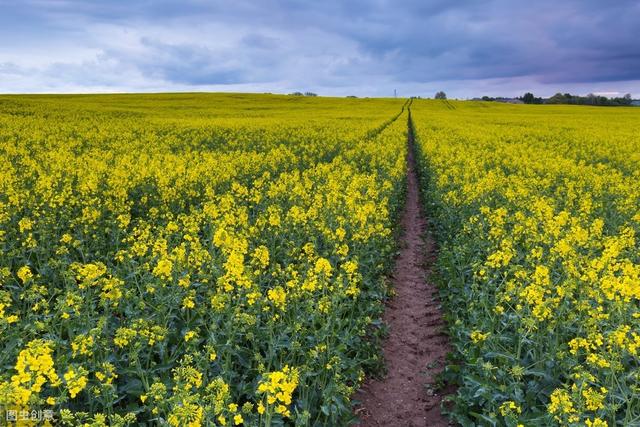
(283, 44)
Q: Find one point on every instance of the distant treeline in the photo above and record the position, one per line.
(591, 99)
(567, 98)
(303, 94)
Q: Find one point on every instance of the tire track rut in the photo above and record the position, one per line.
(417, 345)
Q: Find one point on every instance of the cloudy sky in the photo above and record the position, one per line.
(466, 47)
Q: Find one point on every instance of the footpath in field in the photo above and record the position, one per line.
(415, 350)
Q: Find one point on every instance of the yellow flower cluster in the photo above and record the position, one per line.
(76, 380)
(278, 387)
(5, 303)
(24, 274)
(34, 367)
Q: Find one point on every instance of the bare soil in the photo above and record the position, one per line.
(415, 350)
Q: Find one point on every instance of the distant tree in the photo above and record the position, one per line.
(529, 98)
(441, 95)
(558, 98)
(351, 96)
(626, 100)
(488, 98)
(297, 94)
(310, 94)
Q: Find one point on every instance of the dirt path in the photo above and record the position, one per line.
(415, 351)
